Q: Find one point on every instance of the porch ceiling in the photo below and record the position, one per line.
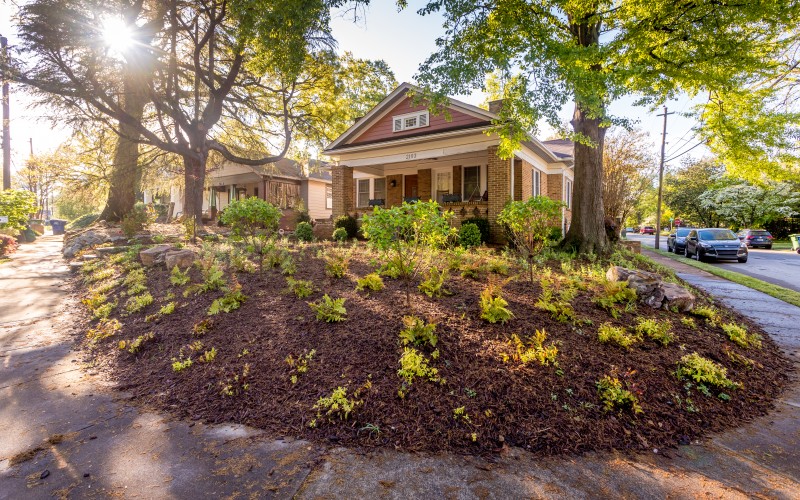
(227, 180)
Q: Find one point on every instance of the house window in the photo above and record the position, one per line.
(442, 185)
(329, 197)
(537, 183)
(472, 183)
(362, 199)
(410, 121)
(568, 194)
(379, 189)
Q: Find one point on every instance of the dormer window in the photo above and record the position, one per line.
(410, 121)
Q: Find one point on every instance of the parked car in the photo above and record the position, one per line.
(676, 241)
(754, 238)
(648, 230)
(714, 243)
(630, 230)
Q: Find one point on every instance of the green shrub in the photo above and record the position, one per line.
(529, 223)
(740, 336)
(661, 332)
(17, 205)
(348, 223)
(134, 346)
(613, 395)
(336, 263)
(329, 310)
(559, 307)
(607, 333)
(138, 302)
(414, 364)
(104, 329)
(253, 220)
(304, 232)
(469, 235)
(416, 332)
(137, 219)
(178, 277)
(167, 309)
(372, 282)
(340, 234)
(709, 313)
(337, 405)
(301, 288)
(231, 301)
(534, 351)
(494, 308)
(616, 292)
(704, 371)
(433, 286)
(483, 226)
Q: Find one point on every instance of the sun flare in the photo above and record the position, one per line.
(117, 35)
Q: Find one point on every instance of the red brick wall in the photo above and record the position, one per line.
(456, 179)
(382, 129)
(394, 195)
(499, 187)
(343, 190)
(424, 184)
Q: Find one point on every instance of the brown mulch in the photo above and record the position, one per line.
(547, 410)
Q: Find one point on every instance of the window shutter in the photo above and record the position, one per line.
(423, 120)
(398, 124)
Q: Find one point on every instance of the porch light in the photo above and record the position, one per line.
(393, 183)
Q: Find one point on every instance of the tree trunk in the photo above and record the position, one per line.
(587, 229)
(126, 173)
(194, 176)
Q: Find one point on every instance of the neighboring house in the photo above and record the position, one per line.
(399, 151)
(282, 183)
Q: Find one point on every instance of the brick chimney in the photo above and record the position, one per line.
(495, 106)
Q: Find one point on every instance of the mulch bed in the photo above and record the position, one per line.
(547, 410)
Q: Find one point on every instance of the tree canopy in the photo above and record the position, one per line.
(592, 52)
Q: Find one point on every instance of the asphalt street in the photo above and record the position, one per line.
(781, 267)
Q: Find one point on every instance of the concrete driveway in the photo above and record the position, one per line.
(781, 267)
(66, 433)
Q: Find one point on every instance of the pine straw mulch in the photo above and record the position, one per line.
(547, 410)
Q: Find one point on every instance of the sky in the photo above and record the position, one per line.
(403, 39)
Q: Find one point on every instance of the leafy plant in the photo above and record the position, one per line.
(406, 233)
(253, 220)
(337, 405)
(300, 364)
(482, 225)
(208, 356)
(390, 270)
(661, 332)
(417, 333)
(138, 302)
(608, 333)
(301, 288)
(709, 313)
(460, 414)
(558, 306)
(202, 327)
(616, 292)
(535, 350)
(740, 336)
(304, 232)
(104, 311)
(348, 223)
(231, 301)
(17, 205)
(238, 384)
(329, 310)
(371, 282)
(414, 364)
(704, 371)
(134, 346)
(104, 329)
(469, 235)
(336, 263)
(689, 323)
(433, 286)
(614, 395)
(340, 234)
(137, 219)
(288, 266)
(178, 365)
(530, 223)
(213, 278)
(494, 308)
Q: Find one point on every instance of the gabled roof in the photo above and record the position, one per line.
(563, 148)
(393, 99)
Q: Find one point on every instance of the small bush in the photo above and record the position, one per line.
(348, 223)
(414, 364)
(390, 270)
(340, 234)
(8, 245)
(613, 395)
(530, 222)
(208, 356)
(301, 288)
(371, 282)
(134, 346)
(416, 332)
(469, 235)
(231, 301)
(534, 351)
(494, 308)
(689, 323)
(181, 364)
(482, 225)
(252, 219)
(329, 310)
(709, 313)
(137, 219)
(167, 309)
(704, 371)
(433, 286)
(661, 332)
(104, 329)
(138, 302)
(337, 405)
(607, 333)
(559, 307)
(616, 292)
(336, 264)
(741, 337)
(304, 232)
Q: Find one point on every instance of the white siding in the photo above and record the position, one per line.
(316, 200)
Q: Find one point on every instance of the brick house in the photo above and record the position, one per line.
(283, 183)
(399, 151)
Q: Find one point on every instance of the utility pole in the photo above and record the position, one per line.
(6, 117)
(31, 143)
(661, 177)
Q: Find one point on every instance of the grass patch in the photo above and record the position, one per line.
(770, 289)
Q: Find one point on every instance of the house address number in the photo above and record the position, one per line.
(411, 156)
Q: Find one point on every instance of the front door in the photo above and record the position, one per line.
(411, 187)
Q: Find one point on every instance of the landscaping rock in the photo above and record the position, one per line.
(154, 256)
(180, 258)
(81, 241)
(110, 250)
(651, 290)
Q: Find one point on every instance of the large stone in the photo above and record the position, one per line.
(677, 297)
(84, 240)
(180, 258)
(154, 255)
(643, 282)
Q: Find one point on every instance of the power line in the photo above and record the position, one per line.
(681, 154)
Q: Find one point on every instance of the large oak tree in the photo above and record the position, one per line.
(592, 52)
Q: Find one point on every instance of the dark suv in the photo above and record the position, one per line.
(754, 238)
(676, 241)
(715, 243)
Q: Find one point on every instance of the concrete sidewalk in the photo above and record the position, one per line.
(82, 438)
